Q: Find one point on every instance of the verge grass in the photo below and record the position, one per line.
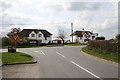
(16, 57)
(76, 44)
(103, 54)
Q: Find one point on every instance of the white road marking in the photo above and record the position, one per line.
(60, 54)
(42, 53)
(86, 70)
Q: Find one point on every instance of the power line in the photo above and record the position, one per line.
(36, 24)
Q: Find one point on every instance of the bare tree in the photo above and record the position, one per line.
(61, 34)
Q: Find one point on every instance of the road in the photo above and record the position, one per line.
(64, 62)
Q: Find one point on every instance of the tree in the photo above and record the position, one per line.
(0, 41)
(100, 38)
(14, 31)
(118, 36)
(12, 34)
(61, 34)
(6, 41)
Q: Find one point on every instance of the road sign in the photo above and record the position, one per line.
(15, 37)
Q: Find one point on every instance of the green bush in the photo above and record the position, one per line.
(118, 36)
(0, 41)
(23, 43)
(106, 45)
(6, 41)
(100, 38)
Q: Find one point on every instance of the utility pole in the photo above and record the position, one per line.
(72, 31)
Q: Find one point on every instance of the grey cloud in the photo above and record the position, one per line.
(110, 31)
(8, 20)
(5, 5)
(81, 6)
(56, 7)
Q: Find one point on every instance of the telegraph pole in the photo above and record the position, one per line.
(72, 31)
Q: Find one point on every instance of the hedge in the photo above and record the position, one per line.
(106, 45)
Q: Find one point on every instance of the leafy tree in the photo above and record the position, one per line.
(112, 39)
(6, 41)
(14, 31)
(61, 34)
(100, 38)
(118, 36)
(0, 41)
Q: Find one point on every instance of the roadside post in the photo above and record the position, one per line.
(15, 37)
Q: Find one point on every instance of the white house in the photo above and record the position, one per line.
(42, 36)
(83, 36)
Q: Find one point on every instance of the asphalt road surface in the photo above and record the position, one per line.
(61, 62)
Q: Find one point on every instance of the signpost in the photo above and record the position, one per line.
(72, 31)
(15, 37)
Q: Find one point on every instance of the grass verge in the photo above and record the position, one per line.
(54, 45)
(76, 44)
(8, 58)
(3, 47)
(102, 54)
(48, 45)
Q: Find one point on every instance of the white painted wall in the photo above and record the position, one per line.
(86, 38)
(75, 37)
(30, 35)
(95, 34)
(48, 39)
(40, 38)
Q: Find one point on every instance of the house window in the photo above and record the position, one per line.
(80, 37)
(93, 37)
(33, 35)
(45, 38)
(40, 35)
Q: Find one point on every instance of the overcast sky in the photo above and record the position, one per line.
(99, 16)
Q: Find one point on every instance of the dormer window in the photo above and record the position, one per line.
(33, 35)
(40, 35)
